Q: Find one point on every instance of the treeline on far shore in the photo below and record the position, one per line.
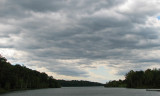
(138, 79)
(78, 83)
(17, 77)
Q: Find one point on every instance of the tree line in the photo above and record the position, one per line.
(114, 83)
(15, 77)
(139, 79)
(77, 83)
(143, 79)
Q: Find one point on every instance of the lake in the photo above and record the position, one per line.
(84, 91)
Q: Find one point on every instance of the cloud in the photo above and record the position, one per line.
(82, 34)
(70, 72)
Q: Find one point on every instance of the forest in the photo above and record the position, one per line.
(17, 77)
(76, 83)
(138, 79)
(114, 83)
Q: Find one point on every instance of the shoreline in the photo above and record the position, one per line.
(3, 91)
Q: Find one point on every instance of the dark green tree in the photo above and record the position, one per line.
(13, 77)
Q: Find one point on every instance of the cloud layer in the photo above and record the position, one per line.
(70, 37)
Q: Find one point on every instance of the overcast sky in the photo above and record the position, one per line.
(96, 40)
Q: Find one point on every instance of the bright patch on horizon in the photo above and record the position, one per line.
(105, 72)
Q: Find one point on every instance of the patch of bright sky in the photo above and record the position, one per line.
(7, 52)
(105, 72)
(19, 63)
(158, 17)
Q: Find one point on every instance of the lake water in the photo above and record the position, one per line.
(84, 91)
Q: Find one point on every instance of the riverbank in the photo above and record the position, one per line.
(2, 91)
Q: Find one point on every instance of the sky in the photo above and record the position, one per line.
(95, 40)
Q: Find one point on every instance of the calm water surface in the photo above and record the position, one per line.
(85, 91)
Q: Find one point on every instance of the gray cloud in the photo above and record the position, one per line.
(69, 71)
(118, 31)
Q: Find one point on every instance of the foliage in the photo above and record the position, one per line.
(13, 77)
(138, 79)
(143, 79)
(114, 83)
(76, 83)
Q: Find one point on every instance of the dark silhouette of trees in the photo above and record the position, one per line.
(114, 83)
(13, 77)
(143, 79)
(76, 83)
(139, 79)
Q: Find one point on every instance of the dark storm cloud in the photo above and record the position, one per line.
(39, 5)
(111, 30)
(56, 5)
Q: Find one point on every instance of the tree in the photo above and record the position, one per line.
(21, 77)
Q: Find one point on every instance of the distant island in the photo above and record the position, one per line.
(78, 83)
(138, 79)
